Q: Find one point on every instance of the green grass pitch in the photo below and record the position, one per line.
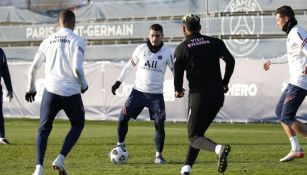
(256, 149)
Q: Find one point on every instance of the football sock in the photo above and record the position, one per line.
(121, 143)
(218, 149)
(158, 154)
(39, 168)
(295, 145)
(60, 158)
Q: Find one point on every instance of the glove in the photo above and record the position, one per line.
(9, 96)
(83, 90)
(30, 96)
(115, 86)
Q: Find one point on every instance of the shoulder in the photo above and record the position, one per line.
(141, 47)
(78, 39)
(166, 49)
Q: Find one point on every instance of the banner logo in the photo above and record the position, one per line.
(242, 25)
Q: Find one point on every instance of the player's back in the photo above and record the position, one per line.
(60, 51)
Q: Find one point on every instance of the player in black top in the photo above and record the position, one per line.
(5, 75)
(199, 56)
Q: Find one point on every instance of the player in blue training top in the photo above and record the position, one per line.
(63, 53)
(296, 91)
(5, 74)
(150, 61)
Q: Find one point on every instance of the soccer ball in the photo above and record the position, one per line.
(119, 155)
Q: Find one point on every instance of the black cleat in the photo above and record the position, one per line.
(222, 163)
(4, 141)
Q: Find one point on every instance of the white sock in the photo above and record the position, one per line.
(218, 149)
(186, 168)
(158, 154)
(39, 168)
(120, 143)
(60, 158)
(295, 145)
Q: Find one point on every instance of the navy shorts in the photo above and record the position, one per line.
(138, 100)
(289, 102)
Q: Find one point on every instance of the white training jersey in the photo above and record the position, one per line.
(296, 56)
(150, 68)
(63, 54)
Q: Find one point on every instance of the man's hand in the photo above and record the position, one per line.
(30, 96)
(115, 87)
(9, 95)
(305, 71)
(266, 65)
(179, 94)
(226, 88)
(83, 90)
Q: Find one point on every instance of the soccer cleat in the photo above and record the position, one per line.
(222, 163)
(293, 155)
(185, 170)
(160, 160)
(4, 141)
(59, 166)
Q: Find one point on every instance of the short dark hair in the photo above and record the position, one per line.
(67, 17)
(156, 27)
(192, 22)
(285, 11)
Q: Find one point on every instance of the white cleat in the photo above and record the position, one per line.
(4, 141)
(59, 166)
(293, 155)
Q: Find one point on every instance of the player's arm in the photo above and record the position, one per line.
(126, 71)
(36, 64)
(179, 68)
(301, 40)
(6, 76)
(278, 60)
(78, 71)
(230, 64)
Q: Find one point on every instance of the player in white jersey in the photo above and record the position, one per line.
(150, 61)
(294, 95)
(63, 54)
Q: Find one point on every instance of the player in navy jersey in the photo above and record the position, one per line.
(150, 61)
(200, 56)
(295, 93)
(5, 75)
(63, 54)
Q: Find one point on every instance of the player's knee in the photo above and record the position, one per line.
(287, 120)
(192, 139)
(278, 113)
(44, 129)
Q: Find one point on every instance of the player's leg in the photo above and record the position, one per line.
(132, 108)
(48, 109)
(155, 104)
(292, 101)
(74, 109)
(3, 140)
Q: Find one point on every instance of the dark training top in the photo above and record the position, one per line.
(200, 56)
(4, 72)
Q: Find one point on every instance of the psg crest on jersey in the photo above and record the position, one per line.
(160, 57)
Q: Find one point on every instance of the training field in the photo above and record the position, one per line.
(256, 149)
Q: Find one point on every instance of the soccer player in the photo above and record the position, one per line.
(295, 93)
(199, 55)
(150, 61)
(63, 53)
(5, 74)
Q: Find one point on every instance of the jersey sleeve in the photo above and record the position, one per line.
(78, 58)
(179, 68)
(280, 60)
(39, 58)
(130, 65)
(5, 72)
(229, 60)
